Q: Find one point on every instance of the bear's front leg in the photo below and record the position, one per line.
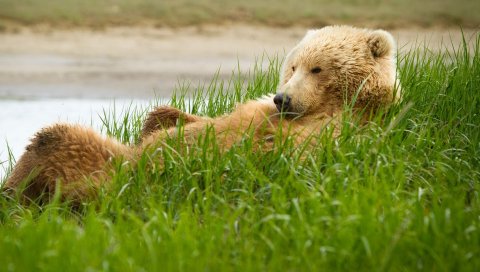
(165, 117)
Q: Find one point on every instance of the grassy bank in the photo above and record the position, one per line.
(399, 194)
(90, 13)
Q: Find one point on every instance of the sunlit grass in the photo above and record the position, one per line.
(401, 193)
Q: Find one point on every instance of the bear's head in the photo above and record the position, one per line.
(338, 64)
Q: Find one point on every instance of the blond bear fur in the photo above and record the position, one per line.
(329, 67)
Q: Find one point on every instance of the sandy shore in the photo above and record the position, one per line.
(143, 62)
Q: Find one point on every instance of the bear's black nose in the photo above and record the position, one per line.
(282, 101)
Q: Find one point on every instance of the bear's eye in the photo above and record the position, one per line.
(293, 68)
(316, 70)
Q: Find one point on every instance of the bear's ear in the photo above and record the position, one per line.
(308, 36)
(381, 43)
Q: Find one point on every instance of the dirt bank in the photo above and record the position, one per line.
(142, 62)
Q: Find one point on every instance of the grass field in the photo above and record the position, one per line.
(374, 13)
(399, 194)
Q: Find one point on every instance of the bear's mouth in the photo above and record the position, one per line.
(288, 113)
(283, 109)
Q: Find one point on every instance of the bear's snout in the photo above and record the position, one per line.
(282, 101)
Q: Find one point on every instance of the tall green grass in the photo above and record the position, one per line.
(401, 193)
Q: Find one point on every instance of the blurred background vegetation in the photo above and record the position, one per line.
(174, 13)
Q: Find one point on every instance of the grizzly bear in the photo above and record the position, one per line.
(327, 68)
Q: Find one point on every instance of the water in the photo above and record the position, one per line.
(20, 119)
